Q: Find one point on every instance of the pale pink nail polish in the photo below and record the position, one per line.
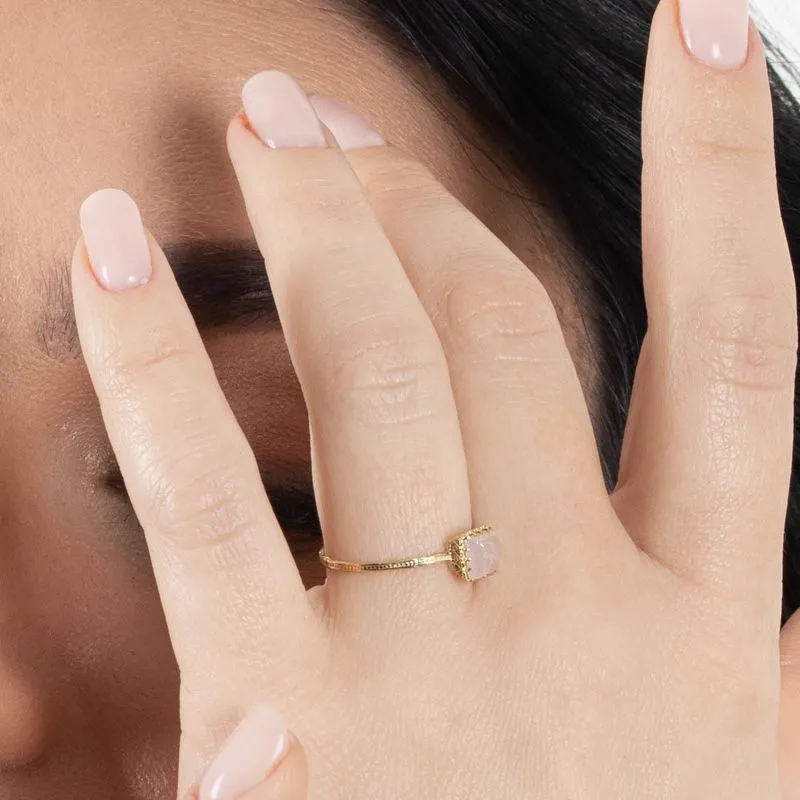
(253, 750)
(115, 241)
(717, 32)
(349, 129)
(280, 113)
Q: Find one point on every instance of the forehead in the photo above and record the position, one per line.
(102, 94)
(137, 94)
(129, 94)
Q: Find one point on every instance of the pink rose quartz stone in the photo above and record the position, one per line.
(484, 555)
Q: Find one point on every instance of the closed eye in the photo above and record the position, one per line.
(294, 507)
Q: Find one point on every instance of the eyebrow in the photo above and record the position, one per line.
(224, 283)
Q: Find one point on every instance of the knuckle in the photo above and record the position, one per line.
(724, 147)
(746, 341)
(319, 194)
(404, 181)
(387, 379)
(128, 367)
(724, 141)
(322, 197)
(505, 318)
(206, 511)
(411, 194)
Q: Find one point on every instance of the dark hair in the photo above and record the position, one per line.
(558, 84)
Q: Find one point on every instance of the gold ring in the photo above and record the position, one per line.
(473, 555)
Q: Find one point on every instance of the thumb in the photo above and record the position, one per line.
(789, 727)
(261, 760)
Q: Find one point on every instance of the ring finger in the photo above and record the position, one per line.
(528, 438)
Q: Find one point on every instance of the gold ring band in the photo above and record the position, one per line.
(473, 555)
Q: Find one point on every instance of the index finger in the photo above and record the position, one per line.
(224, 570)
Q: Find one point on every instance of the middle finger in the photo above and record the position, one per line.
(389, 467)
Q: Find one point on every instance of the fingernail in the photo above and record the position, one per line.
(280, 113)
(350, 130)
(253, 750)
(118, 251)
(717, 32)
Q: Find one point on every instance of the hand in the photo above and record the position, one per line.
(628, 646)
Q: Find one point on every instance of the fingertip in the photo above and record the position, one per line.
(288, 781)
(242, 141)
(115, 240)
(350, 131)
(80, 259)
(239, 126)
(708, 34)
(250, 757)
(688, 100)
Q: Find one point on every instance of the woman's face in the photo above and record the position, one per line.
(137, 95)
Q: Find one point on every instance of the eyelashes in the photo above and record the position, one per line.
(295, 508)
(113, 480)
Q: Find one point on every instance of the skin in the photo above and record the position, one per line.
(88, 675)
(434, 393)
(93, 97)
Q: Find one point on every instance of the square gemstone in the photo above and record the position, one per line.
(483, 552)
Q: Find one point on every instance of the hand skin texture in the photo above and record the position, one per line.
(629, 645)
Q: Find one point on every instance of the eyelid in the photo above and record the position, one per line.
(295, 509)
(112, 479)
